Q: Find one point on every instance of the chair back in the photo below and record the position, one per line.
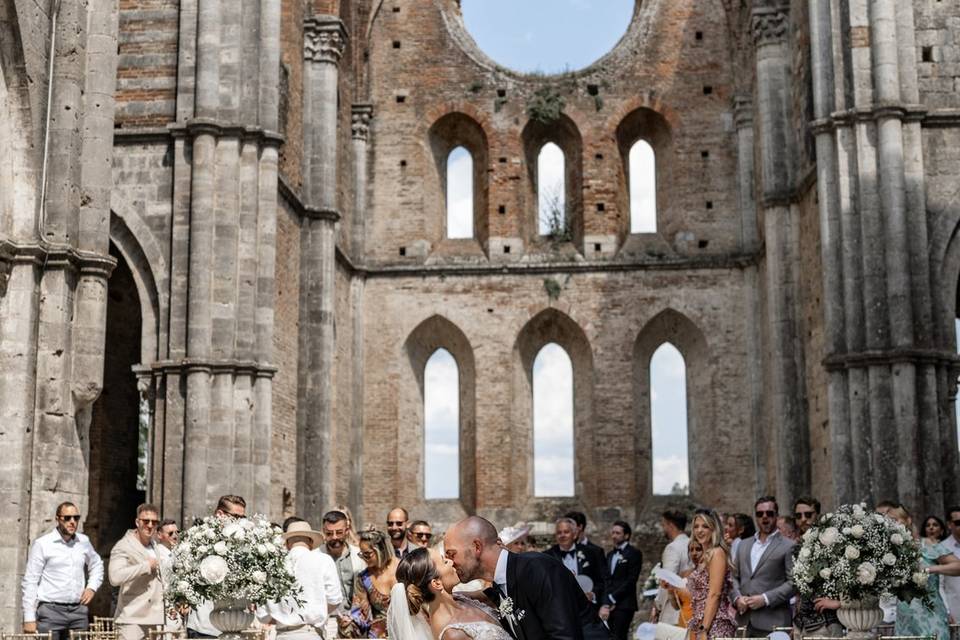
(93, 635)
(101, 623)
(26, 636)
(159, 633)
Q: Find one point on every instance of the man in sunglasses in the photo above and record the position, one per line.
(397, 521)
(420, 534)
(229, 507)
(55, 590)
(761, 586)
(135, 568)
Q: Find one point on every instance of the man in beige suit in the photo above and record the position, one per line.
(135, 568)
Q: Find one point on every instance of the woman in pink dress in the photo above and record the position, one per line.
(711, 582)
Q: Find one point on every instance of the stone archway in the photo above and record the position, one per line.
(115, 464)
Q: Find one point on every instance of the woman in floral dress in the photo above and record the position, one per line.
(371, 590)
(711, 582)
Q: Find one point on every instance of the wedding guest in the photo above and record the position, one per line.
(55, 590)
(578, 559)
(229, 507)
(514, 539)
(951, 585)
(320, 591)
(352, 540)
(419, 534)
(346, 558)
(581, 519)
(915, 618)
(711, 582)
(167, 537)
(762, 584)
(675, 557)
(933, 531)
(397, 522)
(740, 527)
(620, 598)
(135, 568)
(787, 527)
(371, 588)
(289, 521)
(806, 513)
(168, 534)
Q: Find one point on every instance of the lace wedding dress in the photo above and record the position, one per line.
(478, 630)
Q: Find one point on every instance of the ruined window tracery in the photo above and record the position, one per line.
(643, 188)
(441, 426)
(553, 452)
(460, 194)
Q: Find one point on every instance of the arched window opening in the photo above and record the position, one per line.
(460, 193)
(643, 188)
(551, 191)
(441, 428)
(553, 467)
(668, 419)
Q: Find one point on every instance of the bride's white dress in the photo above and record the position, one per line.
(478, 630)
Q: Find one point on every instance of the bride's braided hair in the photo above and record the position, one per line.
(415, 571)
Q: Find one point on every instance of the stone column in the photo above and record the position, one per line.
(324, 41)
(781, 223)
(360, 129)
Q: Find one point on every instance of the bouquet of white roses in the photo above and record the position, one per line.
(853, 554)
(220, 559)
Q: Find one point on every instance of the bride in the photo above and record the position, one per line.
(422, 607)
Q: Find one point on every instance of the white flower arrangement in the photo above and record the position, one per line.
(583, 559)
(242, 559)
(507, 611)
(851, 554)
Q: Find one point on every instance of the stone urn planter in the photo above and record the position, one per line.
(860, 617)
(231, 616)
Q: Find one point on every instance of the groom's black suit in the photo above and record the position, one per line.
(552, 603)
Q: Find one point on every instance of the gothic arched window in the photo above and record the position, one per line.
(441, 426)
(643, 188)
(668, 420)
(460, 195)
(551, 190)
(553, 467)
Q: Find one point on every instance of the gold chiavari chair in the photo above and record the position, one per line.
(955, 631)
(908, 638)
(102, 624)
(260, 633)
(159, 633)
(885, 629)
(93, 635)
(26, 636)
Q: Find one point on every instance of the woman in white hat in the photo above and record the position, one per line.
(514, 539)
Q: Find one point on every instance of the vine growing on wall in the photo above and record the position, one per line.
(545, 106)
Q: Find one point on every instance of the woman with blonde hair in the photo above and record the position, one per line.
(371, 588)
(352, 538)
(711, 582)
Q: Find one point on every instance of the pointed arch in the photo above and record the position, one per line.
(450, 132)
(552, 326)
(673, 327)
(563, 133)
(647, 130)
(431, 335)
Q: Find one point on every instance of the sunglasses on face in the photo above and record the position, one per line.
(75, 518)
(423, 535)
(803, 515)
(766, 514)
(394, 523)
(366, 555)
(148, 521)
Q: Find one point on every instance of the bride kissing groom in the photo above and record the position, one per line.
(533, 596)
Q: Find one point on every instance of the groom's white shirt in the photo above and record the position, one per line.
(500, 572)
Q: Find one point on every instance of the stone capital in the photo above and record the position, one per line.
(361, 115)
(769, 26)
(324, 38)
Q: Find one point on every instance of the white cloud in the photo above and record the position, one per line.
(441, 410)
(669, 471)
(668, 414)
(553, 422)
(460, 194)
(643, 189)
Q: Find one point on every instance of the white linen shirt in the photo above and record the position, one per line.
(756, 552)
(317, 575)
(950, 585)
(500, 572)
(55, 571)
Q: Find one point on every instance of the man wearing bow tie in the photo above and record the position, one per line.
(620, 602)
(580, 560)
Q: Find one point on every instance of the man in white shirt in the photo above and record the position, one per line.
(317, 577)
(55, 590)
(198, 622)
(135, 568)
(950, 585)
(345, 557)
(167, 537)
(675, 558)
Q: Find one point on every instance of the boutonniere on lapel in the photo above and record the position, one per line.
(507, 612)
(621, 560)
(583, 559)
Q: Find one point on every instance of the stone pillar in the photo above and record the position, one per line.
(781, 224)
(324, 41)
(360, 129)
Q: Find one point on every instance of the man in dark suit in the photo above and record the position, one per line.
(580, 560)
(620, 599)
(581, 519)
(761, 584)
(537, 598)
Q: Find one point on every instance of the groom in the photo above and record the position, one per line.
(537, 597)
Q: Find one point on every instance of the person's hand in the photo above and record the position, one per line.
(755, 602)
(29, 627)
(822, 604)
(605, 612)
(741, 604)
(86, 596)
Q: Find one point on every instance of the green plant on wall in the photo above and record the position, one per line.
(545, 106)
(554, 222)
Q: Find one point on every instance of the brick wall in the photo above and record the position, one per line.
(147, 63)
(938, 54)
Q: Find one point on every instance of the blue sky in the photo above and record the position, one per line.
(548, 36)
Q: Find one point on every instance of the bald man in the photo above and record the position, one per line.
(536, 595)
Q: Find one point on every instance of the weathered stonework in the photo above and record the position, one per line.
(274, 200)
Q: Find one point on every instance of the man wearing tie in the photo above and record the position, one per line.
(623, 564)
